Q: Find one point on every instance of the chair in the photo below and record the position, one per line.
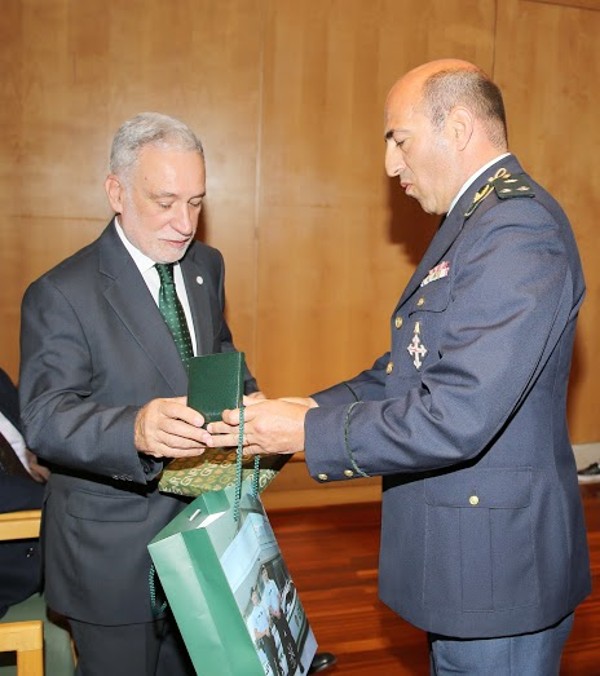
(26, 629)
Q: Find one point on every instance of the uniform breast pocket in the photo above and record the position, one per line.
(425, 316)
(479, 541)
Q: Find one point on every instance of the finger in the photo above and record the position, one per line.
(220, 427)
(177, 408)
(231, 416)
(225, 440)
(179, 434)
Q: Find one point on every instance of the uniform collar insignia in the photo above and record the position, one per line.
(486, 189)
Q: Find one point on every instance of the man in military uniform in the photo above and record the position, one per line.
(259, 626)
(483, 540)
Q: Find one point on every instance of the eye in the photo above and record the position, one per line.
(196, 204)
(165, 205)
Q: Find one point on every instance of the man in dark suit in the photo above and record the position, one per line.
(20, 564)
(102, 385)
(483, 540)
(103, 380)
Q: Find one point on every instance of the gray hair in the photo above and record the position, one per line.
(149, 129)
(472, 88)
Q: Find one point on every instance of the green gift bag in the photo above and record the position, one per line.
(229, 589)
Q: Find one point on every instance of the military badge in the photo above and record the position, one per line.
(437, 272)
(416, 349)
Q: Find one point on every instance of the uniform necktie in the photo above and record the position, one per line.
(172, 312)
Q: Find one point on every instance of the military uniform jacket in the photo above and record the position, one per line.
(94, 350)
(465, 418)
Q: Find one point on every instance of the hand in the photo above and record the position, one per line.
(270, 426)
(309, 402)
(252, 398)
(169, 428)
(38, 472)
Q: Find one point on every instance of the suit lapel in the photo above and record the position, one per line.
(441, 242)
(198, 288)
(129, 297)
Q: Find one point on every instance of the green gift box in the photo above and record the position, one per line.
(218, 564)
(216, 382)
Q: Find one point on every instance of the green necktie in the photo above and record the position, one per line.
(172, 312)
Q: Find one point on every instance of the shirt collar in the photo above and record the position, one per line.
(140, 259)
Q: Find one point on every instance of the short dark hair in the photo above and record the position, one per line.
(471, 87)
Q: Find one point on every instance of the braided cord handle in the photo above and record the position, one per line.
(239, 470)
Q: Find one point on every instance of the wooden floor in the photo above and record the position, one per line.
(332, 555)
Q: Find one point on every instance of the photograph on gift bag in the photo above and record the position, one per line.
(266, 595)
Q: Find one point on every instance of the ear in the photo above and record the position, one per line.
(114, 191)
(461, 124)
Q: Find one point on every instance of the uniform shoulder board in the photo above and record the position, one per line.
(515, 185)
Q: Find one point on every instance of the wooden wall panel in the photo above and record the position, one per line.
(72, 72)
(337, 240)
(288, 98)
(548, 65)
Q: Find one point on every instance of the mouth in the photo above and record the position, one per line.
(177, 243)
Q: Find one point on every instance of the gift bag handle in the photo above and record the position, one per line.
(239, 470)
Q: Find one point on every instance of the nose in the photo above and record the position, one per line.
(185, 220)
(394, 162)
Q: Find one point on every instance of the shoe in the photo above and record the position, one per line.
(322, 661)
(589, 474)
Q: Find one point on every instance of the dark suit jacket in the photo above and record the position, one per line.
(20, 566)
(94, 350)
(482, 532)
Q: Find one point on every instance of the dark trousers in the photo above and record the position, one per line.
(269, 647)
(146, 649)
(288, 643)
(535, 654)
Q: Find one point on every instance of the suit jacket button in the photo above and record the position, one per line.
(389, 368)
(398, 322)
(473, 500)
(421, 302)
(349, 473)
(322, 477)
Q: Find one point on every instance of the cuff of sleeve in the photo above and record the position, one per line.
(351, 457)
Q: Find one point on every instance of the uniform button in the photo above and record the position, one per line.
(349, 473)
(421, 302)
(473, 500)
(398, 322)
(389, 368)
(322, 477)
